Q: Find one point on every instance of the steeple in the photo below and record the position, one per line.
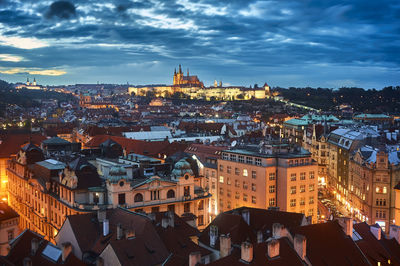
(180, 69)
(188, 72)
(175, 71)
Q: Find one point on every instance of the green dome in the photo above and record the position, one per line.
(181, 168)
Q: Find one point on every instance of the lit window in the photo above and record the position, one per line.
(272, 202)
(302, 188)
(292, 202)
(221, 179)
(245, 172)
(293, 177)
(384, 190)
(311, 188)
(302, 176)
(293, 190)
(271, 176)
(312, 175)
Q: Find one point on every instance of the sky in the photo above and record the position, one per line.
(329, 43)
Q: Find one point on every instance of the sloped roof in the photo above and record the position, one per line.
(11, 143)
(327, 244)
(21, 249)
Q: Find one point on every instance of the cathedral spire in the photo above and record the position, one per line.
(180, 69)
(188, 72)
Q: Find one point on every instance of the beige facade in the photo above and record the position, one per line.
(258, 180)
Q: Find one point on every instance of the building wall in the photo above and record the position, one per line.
(9, 229)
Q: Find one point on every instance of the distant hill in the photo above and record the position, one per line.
(25, 97)
(386, 100)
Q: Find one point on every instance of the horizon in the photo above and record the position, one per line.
(283, 43)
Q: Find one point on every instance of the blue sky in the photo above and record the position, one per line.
(284, 43)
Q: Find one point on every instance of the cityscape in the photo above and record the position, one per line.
(178, 133)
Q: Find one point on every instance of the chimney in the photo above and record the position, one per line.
(246, 252)
(171, 216)
(277, 229)
(66, 249)
(224, 246)
(260, 237)
(106, 227)
(376, 231)
(101, 215)
(213, 235)
(246, 216)
(99, 261)
(273, 248)
(34, 245)
(27, 262)
(120, 232)
(194, 258)
(300, 245)
(394, 232)
(347, 224)
(165, 222)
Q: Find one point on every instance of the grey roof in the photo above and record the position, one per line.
(52, 164)
(55, 140)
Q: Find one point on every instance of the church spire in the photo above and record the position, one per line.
(180, 69)
(188, 72)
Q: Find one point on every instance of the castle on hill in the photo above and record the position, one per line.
(193, 88)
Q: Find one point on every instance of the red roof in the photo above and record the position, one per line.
(11, 143)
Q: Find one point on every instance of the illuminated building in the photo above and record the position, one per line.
(269, 175)
(191, 87)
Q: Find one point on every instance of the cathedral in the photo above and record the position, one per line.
(186, 81)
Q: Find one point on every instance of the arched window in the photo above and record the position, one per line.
(170, 194)
(138, 197)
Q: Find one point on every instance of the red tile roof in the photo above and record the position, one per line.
(11, 143)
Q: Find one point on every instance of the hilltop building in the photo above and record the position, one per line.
(191, 87)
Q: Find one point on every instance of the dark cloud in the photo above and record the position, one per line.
(242, 41)
(61, 9)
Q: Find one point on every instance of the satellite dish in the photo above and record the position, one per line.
(233, 144)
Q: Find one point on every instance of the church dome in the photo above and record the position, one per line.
(181, 168)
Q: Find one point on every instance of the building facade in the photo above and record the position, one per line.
(268, 176)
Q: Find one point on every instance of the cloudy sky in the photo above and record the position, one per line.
(330, 43)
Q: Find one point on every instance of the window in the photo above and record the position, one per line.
(302, 201)
(253, 187)
(292, 202)
(271, 189)
(221, 168)
(200, 206)
(271, 176)
(293, 190)
(221, 191)
(384, 190)
(228, 181)
(302, 188)
(96, 198)
(213, 185)
(249, 160)
(10, 234)
(228, 193)
(272, 202)
(293, 177)
(311, 200)
(244, 197)
(237, 183)
(237, 195)
(310, 212)
(290, 163)
(245, 172)
(258, 161)
(170, 194)
(311, 187)
(236, 171)
(253, 199)
(302, 176)
(228, 204)
(228, 169)
(241, 159)
(254, 174)
(121, 198)
(221, 179)
(232, 157)
(245, 185)
(155, 209)
(186, 191)
(139, 197)
(186, 207)
(311, 175)
(200, 220)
